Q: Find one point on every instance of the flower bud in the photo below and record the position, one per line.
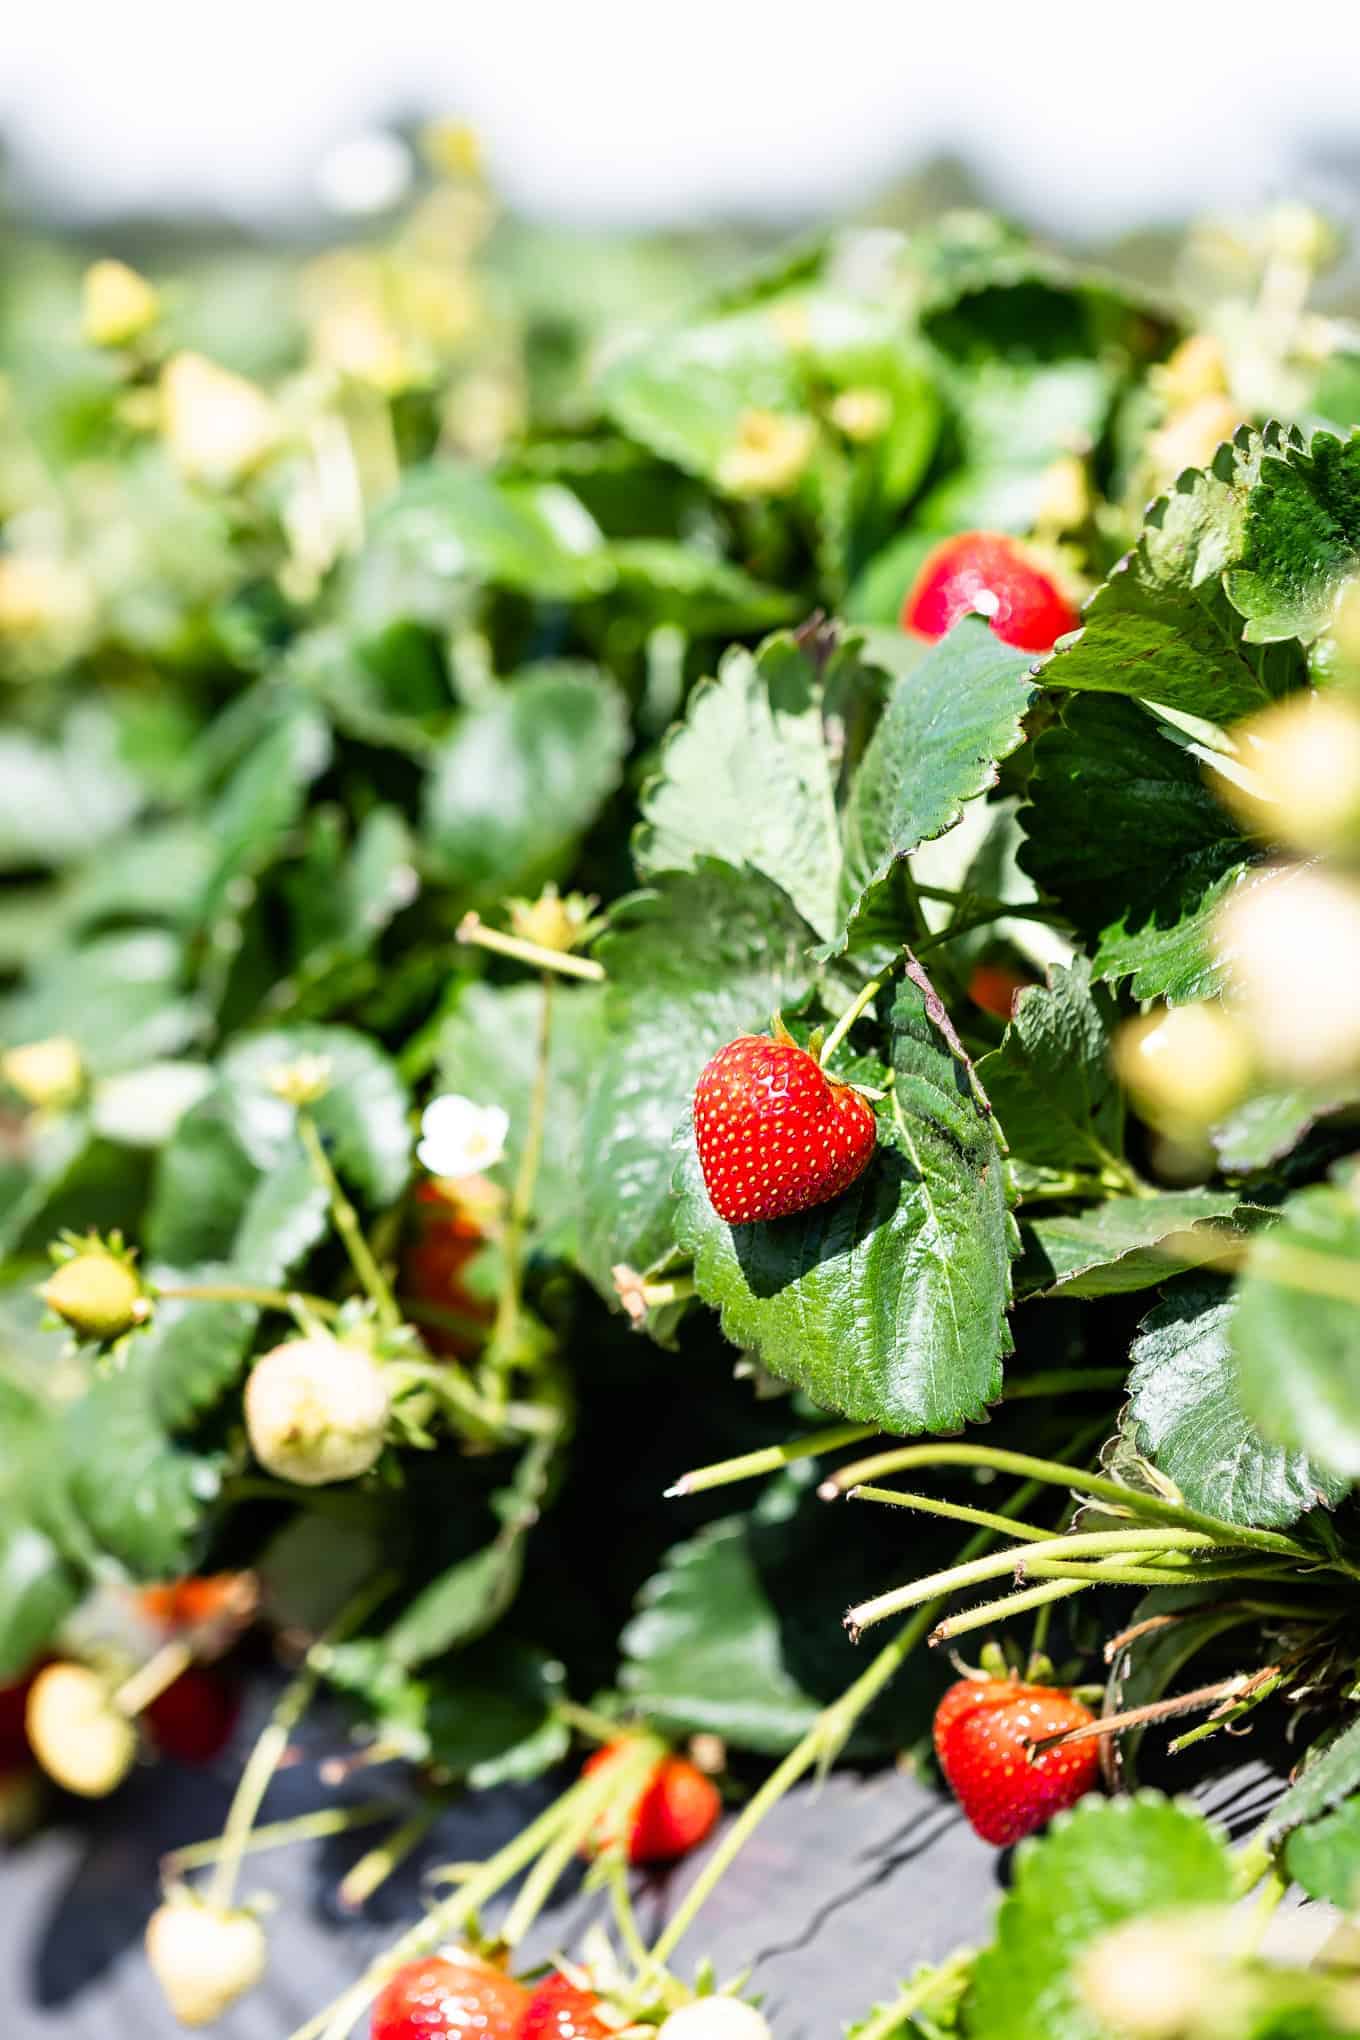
(301, 1082)
(1289, 939)
(46, 1074)
(551, 921)
(218, 426)
(97, 1294)
(715, 2018)
(76, 1733)
(1302, 783)
(317, 1410)
(863, 415)
(1185, 1066)
(768, 455)
(1192, 436)
(117, 305)
(203, 1957)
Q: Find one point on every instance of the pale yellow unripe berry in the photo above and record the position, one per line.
(1185, 1066)
(1197, 368)
(203, 1958)
(218, 426)
(863, 415)
(715, 2018)
(77, 1734)
(1301, 779)
(1150, 1979)
(1192, 436)
(768, 455)
(317, 1410)
(1289, 940)
(117, 305)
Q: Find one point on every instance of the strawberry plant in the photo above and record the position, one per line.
(704, 882)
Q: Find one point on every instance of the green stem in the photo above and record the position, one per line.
(501, 1349)
(984, 919)
(620, 1781)
(264, 1758)
(347, 1225)
(770, 1458)
(597, 1727)
(373, 1868)
(150, 1680)
(276, 1834)
(958, 1512)
(863, 999)
(945, 1982)
(988, 1612)
(1094, 1544)
(247, 1292)
(1053, 1474)
(625, 1919)
(827, 1735)
(473, 929)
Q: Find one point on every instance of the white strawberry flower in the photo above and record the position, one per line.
(460, 1137)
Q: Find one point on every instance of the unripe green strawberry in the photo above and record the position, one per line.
(97, 1294)
(77, 1734)
(204, 1958)
(317, 1410)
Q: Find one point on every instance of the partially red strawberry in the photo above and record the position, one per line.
(192, 1719)
(995, 987)
(434, 1266)
(983, 1729)
(226, 1598)
(453, 1996)
(776, 1134)
(674, 1811)
(561, 2010)
(984, 573)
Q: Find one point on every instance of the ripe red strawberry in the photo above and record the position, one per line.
(672, 1814)
(560, 2010)
(193, 1718)
(454, 1996)
(982, 1729)
(984, 573)
(776, 1134)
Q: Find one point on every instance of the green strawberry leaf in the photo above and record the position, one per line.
(485, 1715)
(122, 998)
(61, 802)
(1191, 1425)
(1162, 628)
(38, 1590)
(950, 718)
(451, 525)
(1324, 1857)
(738, 1633)
(520, 778)
(1300, 537)
(1264, 1128)
(488, 1051)
(1050, 1083)
(1296, 1332)
(1126, 1243)
(748, 776)
(1124, 834)
(261, 802)
(1331, 1776)
(701, 592)
(1106, 1862)
(704, 956)
(889, 1303)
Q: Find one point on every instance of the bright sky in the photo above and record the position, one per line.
(1087, 117)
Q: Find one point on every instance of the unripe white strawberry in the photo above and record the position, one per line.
(77, 1734)
(1289, 939)
(204, 1958)
(1154, 1979)
(317, 1410)
(715, 2018)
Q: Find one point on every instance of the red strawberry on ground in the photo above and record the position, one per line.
(982, 1731)
(984, 573)
(560, 2010)
(776, 1134)
(675, 1810)
(193, 1718)
(454, 1996)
